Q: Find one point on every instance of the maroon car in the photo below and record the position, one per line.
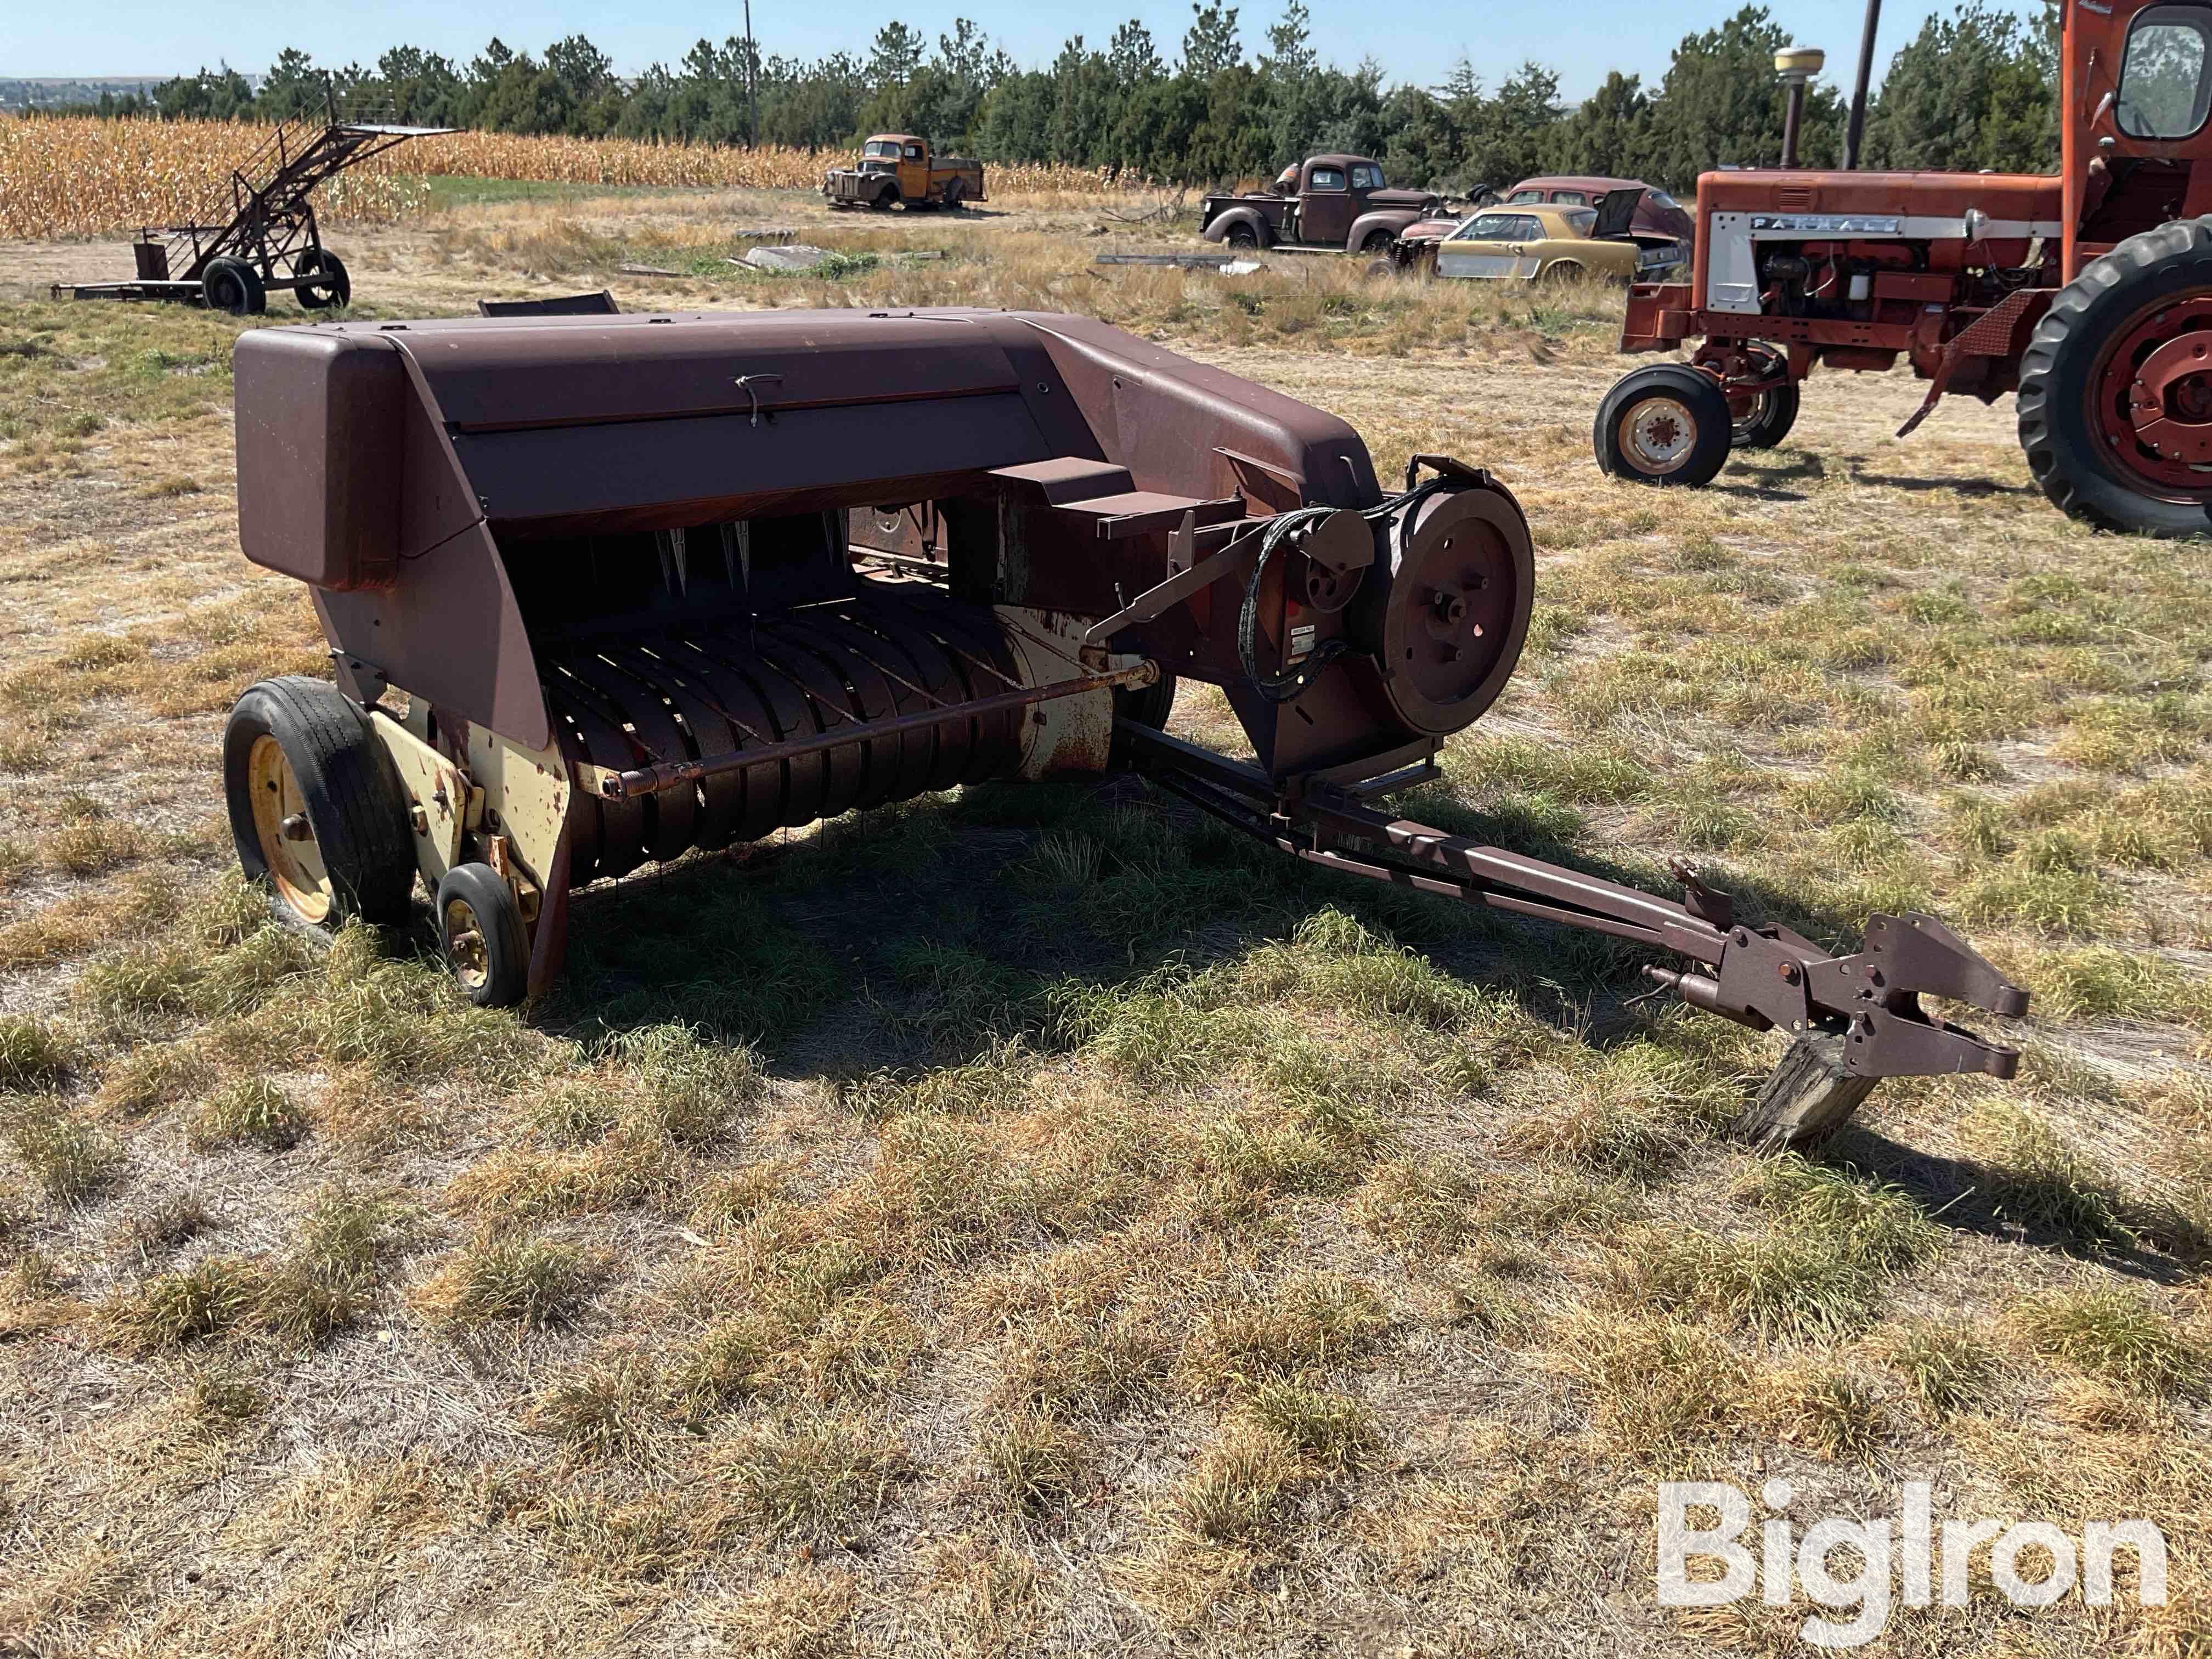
(1657, 215)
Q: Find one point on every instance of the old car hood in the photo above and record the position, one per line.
(1616, 212)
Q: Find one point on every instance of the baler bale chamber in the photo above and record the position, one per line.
(655, 583)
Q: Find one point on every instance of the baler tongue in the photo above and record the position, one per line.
(1852, 1019)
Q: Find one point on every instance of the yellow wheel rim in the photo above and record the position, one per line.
(465, 944)
(286, 840)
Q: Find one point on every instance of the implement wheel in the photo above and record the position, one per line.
(2116, 386)
(332, 286)
(1807, 1098)
(480, 927)
(1667, 424)
(317, 810)
(233, 286)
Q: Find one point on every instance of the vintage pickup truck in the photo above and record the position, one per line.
(898, 166)
(1331, 204)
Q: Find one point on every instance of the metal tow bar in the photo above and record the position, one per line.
(1854, 1018)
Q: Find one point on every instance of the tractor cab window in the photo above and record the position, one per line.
(1367, 178)
(1327, 179)
(1489, 227)
(2164, 85)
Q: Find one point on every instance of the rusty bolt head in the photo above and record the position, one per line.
(297, 827)
(1788, 970)
(1451, 609)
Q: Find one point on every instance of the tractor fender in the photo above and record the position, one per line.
(1217, 227)
(1391, 220)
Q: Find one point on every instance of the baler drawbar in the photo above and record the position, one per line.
(601, 591)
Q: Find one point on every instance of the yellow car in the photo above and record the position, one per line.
(1542, 243)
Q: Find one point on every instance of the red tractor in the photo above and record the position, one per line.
(2089, 293)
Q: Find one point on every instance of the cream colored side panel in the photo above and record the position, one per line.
(526, 793)
(437, 796)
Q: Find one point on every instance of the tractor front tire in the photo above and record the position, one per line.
(2106, 444)
(1770, 415)
(1667, 425)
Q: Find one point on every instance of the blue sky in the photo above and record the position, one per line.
(1411, 39)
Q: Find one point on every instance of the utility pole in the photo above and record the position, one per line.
(1856, 129)
(752, 55)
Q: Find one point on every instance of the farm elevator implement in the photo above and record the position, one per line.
(259, 235)
(2088, 293)
(654, 583)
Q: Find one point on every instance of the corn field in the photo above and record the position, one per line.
(84, 177)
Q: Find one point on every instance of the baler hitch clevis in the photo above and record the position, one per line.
(1853, 1019)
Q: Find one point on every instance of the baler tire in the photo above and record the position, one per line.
(2054, 397)
(1805, 1099)
(233, 286)
(480, 931)
(350, 792)
(1700, 399)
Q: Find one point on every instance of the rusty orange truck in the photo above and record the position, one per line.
(898, 167)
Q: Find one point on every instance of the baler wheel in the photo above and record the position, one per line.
(480, 929)
(1805, 1099)
(1667, 424)
(317, 808)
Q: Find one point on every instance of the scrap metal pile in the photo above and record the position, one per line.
(652, 583)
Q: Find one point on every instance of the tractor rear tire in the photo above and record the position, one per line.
(1805, 1099)
(1666, 425)
(331, 287)
(317, 812)
(233, 286)
(2074, 396)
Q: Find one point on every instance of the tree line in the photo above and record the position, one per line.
(1976, 89)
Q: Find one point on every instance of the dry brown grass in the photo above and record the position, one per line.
(1032, 1223)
